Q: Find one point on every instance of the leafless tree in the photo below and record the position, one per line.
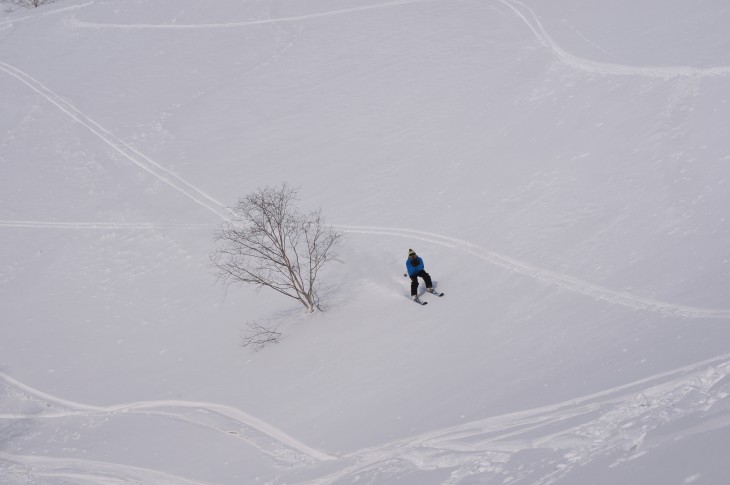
(269, 243)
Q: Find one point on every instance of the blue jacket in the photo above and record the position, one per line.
(414, 269)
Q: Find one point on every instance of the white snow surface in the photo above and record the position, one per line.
(562, 167)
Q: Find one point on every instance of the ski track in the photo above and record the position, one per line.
(613, 421)
(101, 225)
(231, 418)
(546, 276)
(73, 22)
(142, 161)
(33, 16)
(75, 470)
(528, 16)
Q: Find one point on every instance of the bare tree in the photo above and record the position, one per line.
(258, 335)
(269, 243)
(27, 3)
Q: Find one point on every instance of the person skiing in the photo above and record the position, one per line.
(414, 265)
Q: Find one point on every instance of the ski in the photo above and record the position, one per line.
(434, 292)
(419, 301)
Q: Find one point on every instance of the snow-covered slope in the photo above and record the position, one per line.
(562, 167)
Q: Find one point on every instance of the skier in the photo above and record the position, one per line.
(414, 265)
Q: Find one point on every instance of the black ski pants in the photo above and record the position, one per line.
(414, 281)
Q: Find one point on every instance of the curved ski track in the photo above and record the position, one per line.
(214, 416)
(528, 16)
(547, 276)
